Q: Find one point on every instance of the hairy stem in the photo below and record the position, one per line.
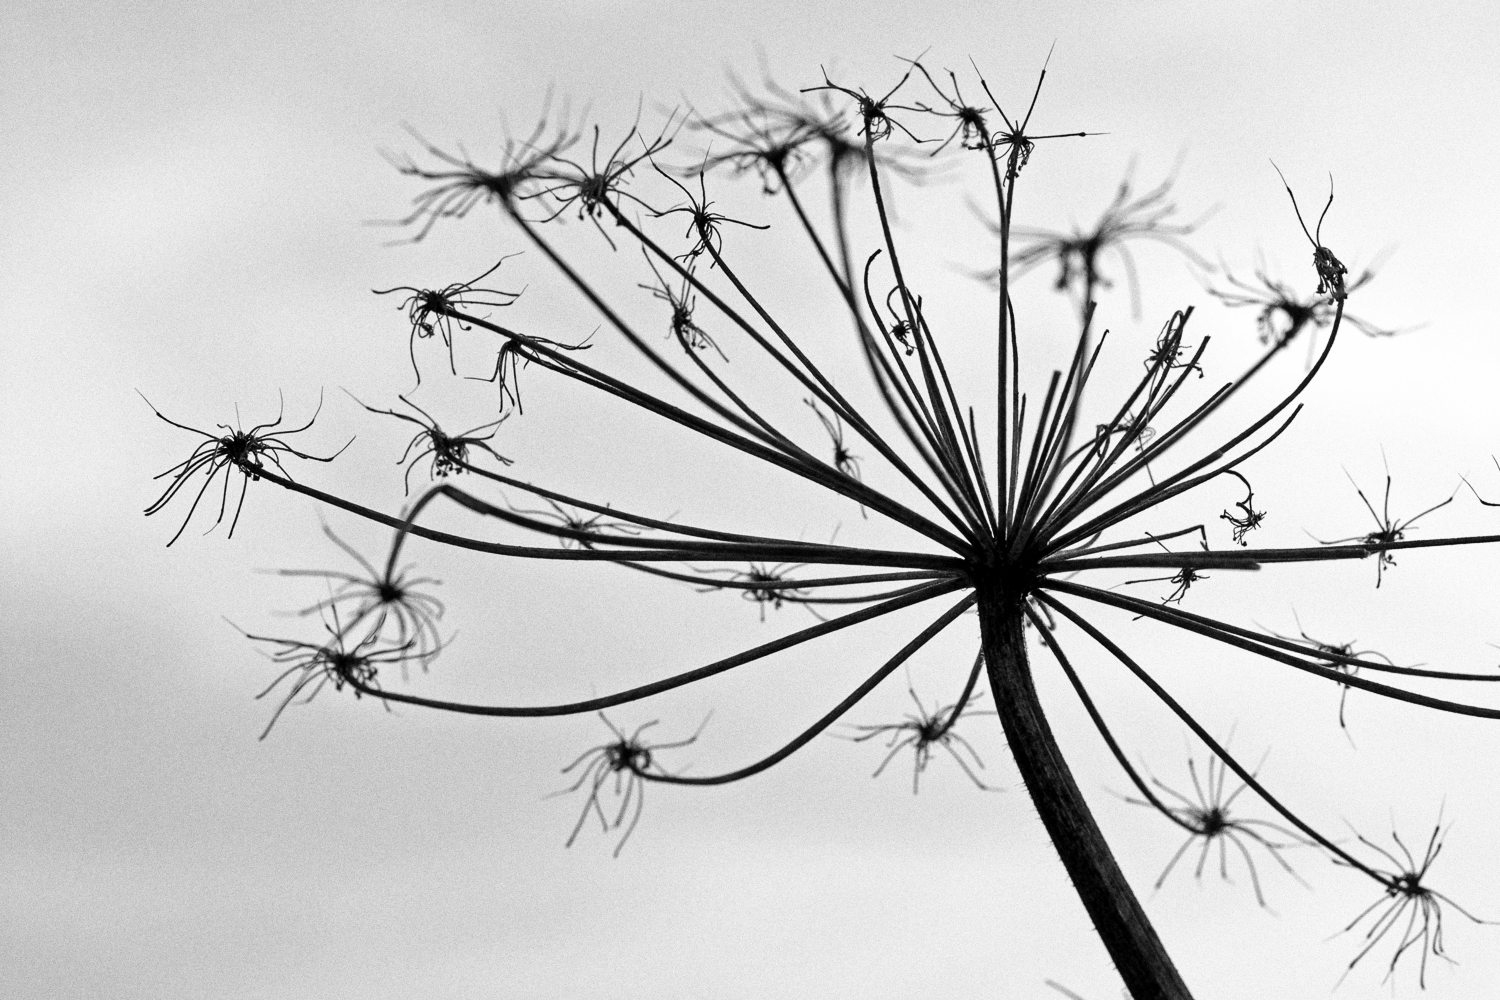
(1117, 915)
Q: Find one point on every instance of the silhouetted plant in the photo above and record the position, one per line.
(460, 185)
(843, 459)
(763, 584)
(1331, 271)
(703, 226)
(1248, 519)
(516, 351)
(1487, 503)
(1025, 523)
(595, 190)
(682, 326)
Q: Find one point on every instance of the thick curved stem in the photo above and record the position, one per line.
(1117, 915)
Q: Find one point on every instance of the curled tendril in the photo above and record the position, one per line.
(1248, 519)
(1182, 581)
(970, 127)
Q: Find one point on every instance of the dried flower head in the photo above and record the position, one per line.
(628, 760)
(769, 586)
(1026, 518)
(1341, 656)
(596, 190)
(247, 452)
(388, 603)
(874, 112)
(1210, 822)
(312, 666)
(1282, 314)
(1407, 895)
(582, 528)
(459, 184)
(1388, 530)
(1079, 253)
(431, 311)
(1248, 519)
(1331, 271)
(925, 730)
(682, 327)
(449, 453)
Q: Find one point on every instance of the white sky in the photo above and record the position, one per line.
(185, 196)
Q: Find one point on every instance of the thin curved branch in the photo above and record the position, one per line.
(1098, 720)
(1244, 775)
(1216, 631)
(833, 714)
(799, 552)
(675, 681)
(796, 461)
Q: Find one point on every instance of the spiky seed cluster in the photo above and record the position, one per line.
(337, 660)
(925, 730)
(431, 311)
(249, 452)
(377, 602)
(1208, 817)
(629, 760)
(1080, 254)
(1407, 895)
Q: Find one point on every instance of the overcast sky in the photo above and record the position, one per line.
(187, 192)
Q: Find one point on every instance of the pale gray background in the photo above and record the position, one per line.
(184, 195)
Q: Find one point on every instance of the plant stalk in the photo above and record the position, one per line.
(1112, 905)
